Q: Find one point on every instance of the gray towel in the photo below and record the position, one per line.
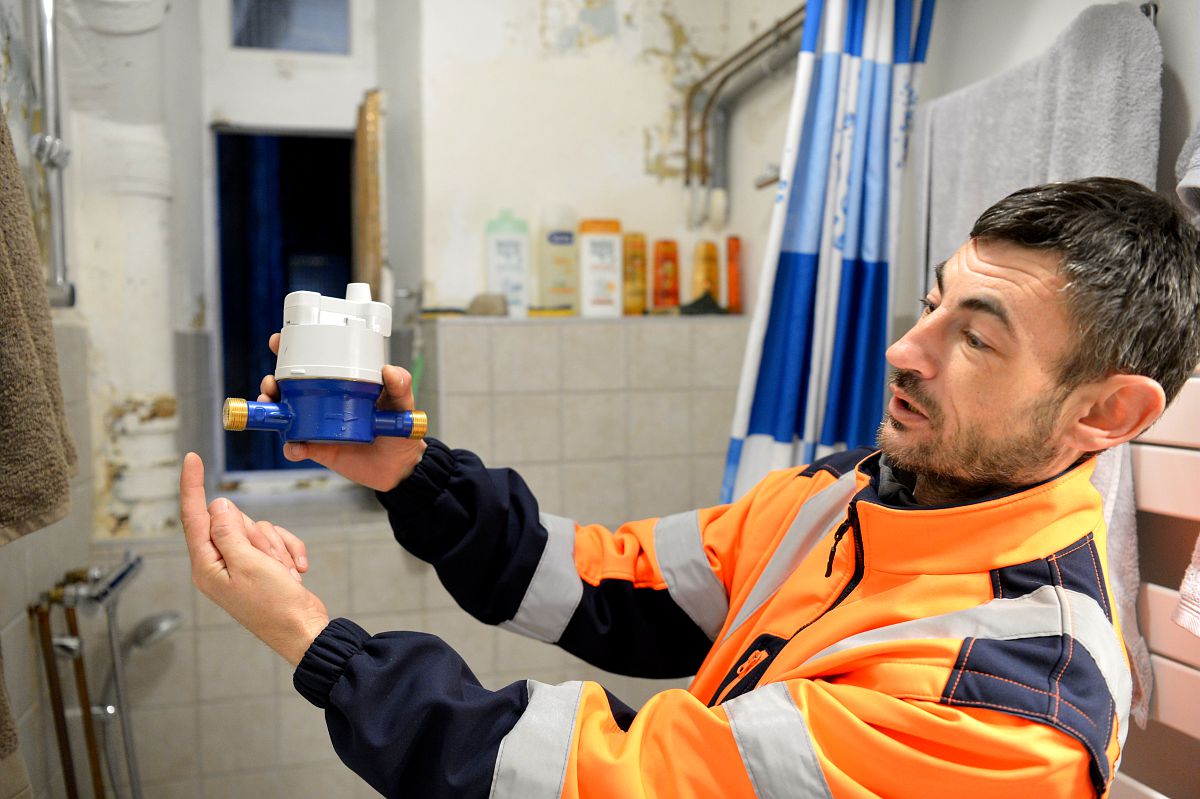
(1187, 172)
(37, 458)
(1090, 105)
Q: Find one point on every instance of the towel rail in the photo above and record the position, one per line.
(49, 149)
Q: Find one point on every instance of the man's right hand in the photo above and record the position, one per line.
(380, 465)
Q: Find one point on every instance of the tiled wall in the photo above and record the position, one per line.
(608, 421)
(34, 563)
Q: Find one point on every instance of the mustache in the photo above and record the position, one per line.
(909, 382)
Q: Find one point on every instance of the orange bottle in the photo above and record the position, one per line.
(733, 272)
(634, 251)
(706, 271)
(666, 274)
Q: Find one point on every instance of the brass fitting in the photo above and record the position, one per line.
(420, 425)
(234, 414)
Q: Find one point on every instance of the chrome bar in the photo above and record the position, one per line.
(48, 147)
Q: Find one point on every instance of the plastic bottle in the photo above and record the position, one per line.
(600, 267)
(507, 256)
(634, 252)
(558, 265)
(666, 274)
(733, 273)
(706, 270)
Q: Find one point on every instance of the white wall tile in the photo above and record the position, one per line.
(163, 674)
(517, 653)
(233, 663)
(659, 353)
(172, 789)
(464, 355)
(658, 423)
(474, 641)
(527, 427)
(718, 349)
(525, 357)
(163, 584)
(237, 735)
(711, 419)
(544, 480)
(23, 667)
(15, 591)
(329, 576)
(659, 487)
(385, 578)
(593, 357)
(594, 492)
(707, 471)
(37, 747)
(466, 423)
(320, 781)
(594, 425)
(250, 785)
(165, 739)
(303, 736)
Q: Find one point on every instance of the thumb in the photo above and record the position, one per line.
(228, 532)
(324, 454)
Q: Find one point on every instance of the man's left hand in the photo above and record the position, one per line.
(255, 588)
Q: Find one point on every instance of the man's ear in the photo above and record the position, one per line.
(1115, 410)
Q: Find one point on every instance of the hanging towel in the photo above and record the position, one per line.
(14, 779)
(1187, 172)
(37, 458)
(1187, 612)
(1090, 105)
(1113, 478)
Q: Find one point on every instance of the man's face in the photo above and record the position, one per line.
(976, 400)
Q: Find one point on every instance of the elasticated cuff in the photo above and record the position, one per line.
(326, 658)
(428, 480)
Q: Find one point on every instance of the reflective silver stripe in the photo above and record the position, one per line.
(1050, 610)
(532, 760)
(775, 745)
(815, 518)
(679, 547)
(556, 588)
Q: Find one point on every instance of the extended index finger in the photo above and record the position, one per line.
(193, 506)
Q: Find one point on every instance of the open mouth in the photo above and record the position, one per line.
(904, 410)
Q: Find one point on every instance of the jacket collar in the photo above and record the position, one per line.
(975, 535)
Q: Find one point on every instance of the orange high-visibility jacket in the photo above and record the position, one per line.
(842, 646)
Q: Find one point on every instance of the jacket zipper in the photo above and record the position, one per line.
(756, 657)
(859, 569)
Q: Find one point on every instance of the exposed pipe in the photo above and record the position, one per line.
(41, 614)
(85, 705)
(780, 32)
(694, 89)
(49, 149)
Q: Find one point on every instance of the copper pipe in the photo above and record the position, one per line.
(41, 612)
(85, 707)
(781, 31)
(694, 89)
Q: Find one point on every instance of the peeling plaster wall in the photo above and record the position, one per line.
(529, 103)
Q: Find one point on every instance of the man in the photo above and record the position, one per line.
(932, 619)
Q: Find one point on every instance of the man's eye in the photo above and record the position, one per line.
(974, 342)
(927, 307)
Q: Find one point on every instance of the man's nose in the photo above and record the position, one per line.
(912, 352)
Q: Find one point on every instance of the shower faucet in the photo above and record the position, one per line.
(330, 373)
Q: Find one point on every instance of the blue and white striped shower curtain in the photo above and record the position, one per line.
(814, 373)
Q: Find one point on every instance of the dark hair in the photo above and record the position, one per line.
(1132, 264)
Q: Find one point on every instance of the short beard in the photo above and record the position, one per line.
(966, 465)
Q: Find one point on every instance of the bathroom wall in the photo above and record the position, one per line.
(33, 564)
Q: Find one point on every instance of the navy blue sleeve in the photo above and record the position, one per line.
(478, 527)
(481, 531)
(405, 712)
